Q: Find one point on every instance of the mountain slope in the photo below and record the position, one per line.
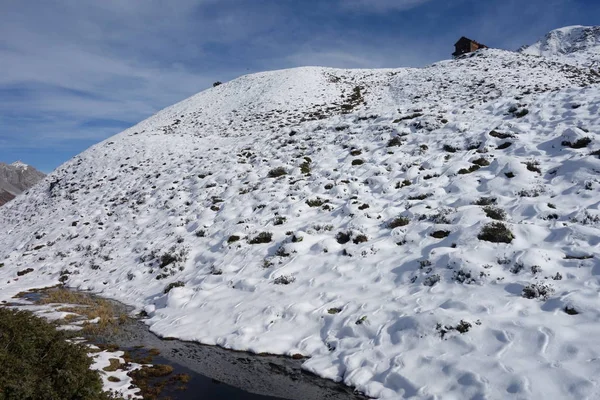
(15, 179)
(337, 214)
(577, 45)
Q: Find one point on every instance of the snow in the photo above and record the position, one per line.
(149, 216)
(20, 164)
(121, 384)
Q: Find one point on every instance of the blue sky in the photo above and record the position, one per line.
(74, 72)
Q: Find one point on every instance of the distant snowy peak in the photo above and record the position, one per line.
(20, 164)
(578, 45)
(15, 178)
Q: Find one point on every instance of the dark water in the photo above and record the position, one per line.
(217, 373)
(200, 387)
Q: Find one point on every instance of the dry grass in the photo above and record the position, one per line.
(85, 307)
(115, 364)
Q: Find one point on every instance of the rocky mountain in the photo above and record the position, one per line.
(577, 45)
(15, 178)
(415, 233)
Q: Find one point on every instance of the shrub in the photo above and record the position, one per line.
(496, 232)
(318, 202)
(404, 183)
(360, 239)
(173, 285)
(536, 269)
(520, 113)
(533, 166)
(431, 280)
(277, 172)
(501, 135)
(463, 276)
(495, 213)
(217, 83)
(284, 280)
(450, 149)
(557, 277)
(571, 310)
(517, 268)
(486, 201)
(279, 220)
(358, 161)
(167, 259)
(343, 237)
(462, 327)
(395, 141)
(233, 239)
(440, 234)
(482, 162)
(201, 233)
(420, 196)
(263, 237)
(537, 290)
(398, 222)
(25, 271)
(472, 168)
(37, 362)
(305, 166)
(579, 144)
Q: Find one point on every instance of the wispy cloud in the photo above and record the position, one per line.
(378, 6)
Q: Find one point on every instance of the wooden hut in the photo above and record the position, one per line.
(466, 45)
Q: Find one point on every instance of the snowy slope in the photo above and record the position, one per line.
(263, 215)
(16, 178)
(577, 45)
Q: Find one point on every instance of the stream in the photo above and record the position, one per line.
(214, 372)
(218, 373)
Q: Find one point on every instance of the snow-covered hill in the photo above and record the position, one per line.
(16, 178)
(577, 45)
(418, 233)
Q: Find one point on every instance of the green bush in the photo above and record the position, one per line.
(37, 362)
(263, 237)
(277, 172)
(495, 213)
(398, 222)
(496, 232)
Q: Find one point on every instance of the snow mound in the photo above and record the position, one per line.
(416, 232)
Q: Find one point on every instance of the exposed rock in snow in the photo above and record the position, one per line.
(416, 232)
